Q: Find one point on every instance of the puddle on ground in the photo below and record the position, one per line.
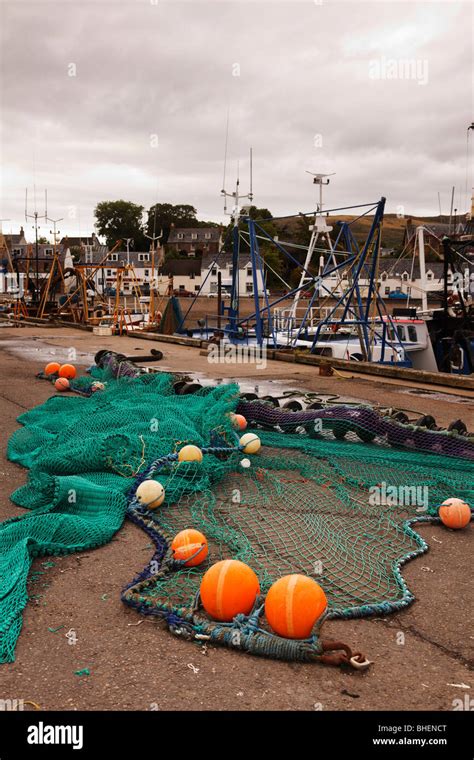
(436, 396)
(36, 350)
(276, 388)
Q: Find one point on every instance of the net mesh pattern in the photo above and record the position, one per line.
(307, 504)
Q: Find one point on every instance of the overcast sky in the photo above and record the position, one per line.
(128, 99)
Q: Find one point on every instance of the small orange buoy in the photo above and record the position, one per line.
(62, 384)
(52, 368)
(293, 604)
(190, 545)
(239, 421)
(67, 370)
(455, 513)
(228, 588)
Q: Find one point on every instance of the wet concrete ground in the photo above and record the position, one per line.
(136, 664)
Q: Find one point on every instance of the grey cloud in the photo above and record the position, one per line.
(167, 70)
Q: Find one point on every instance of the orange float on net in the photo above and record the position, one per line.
(239, 421)
(62, 384)
(228, 588)
(52, 368)
(67, 370)
(455, 513)
(190, 546)
(293, 604)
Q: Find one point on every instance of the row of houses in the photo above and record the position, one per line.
(397, 278)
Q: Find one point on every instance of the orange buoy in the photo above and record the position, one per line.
(67, 370)
(293, 604)
(239, 421)
(62, 384)
(190, 545)
(455, 513)
(52, 368)
(228, 588)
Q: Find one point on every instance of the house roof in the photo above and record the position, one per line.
(224, 260)
(76, 242)
(187, 233)
(14, 239)
(120, 257)
(183, 267)
(396, 267)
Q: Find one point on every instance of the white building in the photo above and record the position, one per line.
(180, 275)
(397, 278)
(223, 264)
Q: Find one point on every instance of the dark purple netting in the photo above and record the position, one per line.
(364, 421)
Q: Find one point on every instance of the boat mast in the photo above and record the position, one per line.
(420, 236)
(233, 310)
(318, 228)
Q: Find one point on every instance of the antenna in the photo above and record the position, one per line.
(439, 204)
(35, 216)
(235, 213)
(251, 175)
(451, 212)
(318, 179)
(471, 126)
(225, 148)
(54, 232)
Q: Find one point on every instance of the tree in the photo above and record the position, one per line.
(42, 240)
(119, 220)
(162, 215)
(76, 253)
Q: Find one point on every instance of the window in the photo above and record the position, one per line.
(48, 251)
(113, 257)
(231, 270)
(383, 276)
(429, 275)
(249, 272)
(17, 250)
(192, 276)
(387, 290)
(194, 236)
(405, 276)
(196, 287)
(88, 257)
(401, 332)
(249, 287)
(146, 272)
(181, 287)
(412, 333)
(214, 271)
(109, 273)
(207, 235)
(180, 236)
(143, 257)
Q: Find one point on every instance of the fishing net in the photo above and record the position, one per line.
(316, 500)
